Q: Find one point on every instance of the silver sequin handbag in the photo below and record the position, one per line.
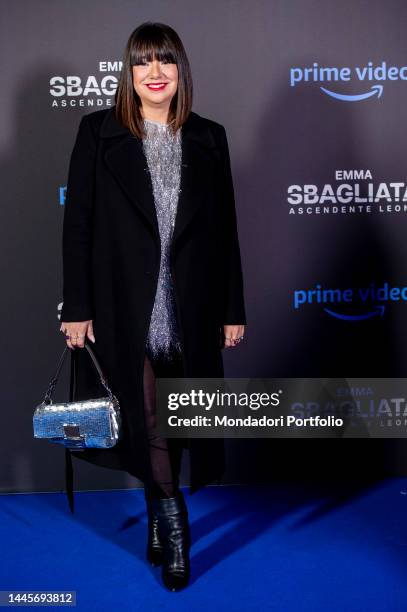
(91, 423)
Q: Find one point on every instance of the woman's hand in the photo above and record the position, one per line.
(77, 333)
(233, 334)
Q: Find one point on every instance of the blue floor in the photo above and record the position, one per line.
(279, 547)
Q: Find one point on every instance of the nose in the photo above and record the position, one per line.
(155, 68)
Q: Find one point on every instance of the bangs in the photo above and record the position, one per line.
(152, 43)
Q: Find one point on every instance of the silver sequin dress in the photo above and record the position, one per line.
(163, 153)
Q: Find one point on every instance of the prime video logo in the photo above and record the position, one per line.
(367, 302)
(365, 74)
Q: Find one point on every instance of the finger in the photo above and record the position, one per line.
(90, 333)
(69, 343)
(74, 341)
(67, 337)
(228, 342)
(80, 340)
(225, 337)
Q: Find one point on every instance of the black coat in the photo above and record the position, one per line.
(111, 260)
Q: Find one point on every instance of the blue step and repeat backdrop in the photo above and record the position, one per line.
(313, 96)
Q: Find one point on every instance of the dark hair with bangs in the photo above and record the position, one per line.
(148, 40)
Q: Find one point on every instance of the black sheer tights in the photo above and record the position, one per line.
(165, 454)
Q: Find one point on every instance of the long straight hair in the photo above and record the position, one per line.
(148, 40)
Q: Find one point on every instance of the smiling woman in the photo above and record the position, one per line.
(152, 272)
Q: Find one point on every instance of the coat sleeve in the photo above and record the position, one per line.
(77, 228)
(233, 307)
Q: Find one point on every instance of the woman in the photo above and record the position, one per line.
(152, 272)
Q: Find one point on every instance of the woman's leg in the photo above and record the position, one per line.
(165, 455)
(169, 539)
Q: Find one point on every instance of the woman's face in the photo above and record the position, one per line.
(155, 82)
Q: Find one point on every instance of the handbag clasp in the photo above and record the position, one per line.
(72, 432)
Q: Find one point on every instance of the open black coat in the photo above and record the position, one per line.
(111, 260)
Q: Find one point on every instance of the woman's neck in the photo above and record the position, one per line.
(157, 117)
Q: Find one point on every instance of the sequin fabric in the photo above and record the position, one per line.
(163, 153)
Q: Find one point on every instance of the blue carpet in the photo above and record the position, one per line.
(291, 547)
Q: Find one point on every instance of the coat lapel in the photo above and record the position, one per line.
(126, 160)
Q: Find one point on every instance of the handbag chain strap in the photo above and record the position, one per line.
(54, 380)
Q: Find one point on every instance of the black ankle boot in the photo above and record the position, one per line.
(154, 551)
(174, 532)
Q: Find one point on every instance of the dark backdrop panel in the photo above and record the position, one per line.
(280, 134)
